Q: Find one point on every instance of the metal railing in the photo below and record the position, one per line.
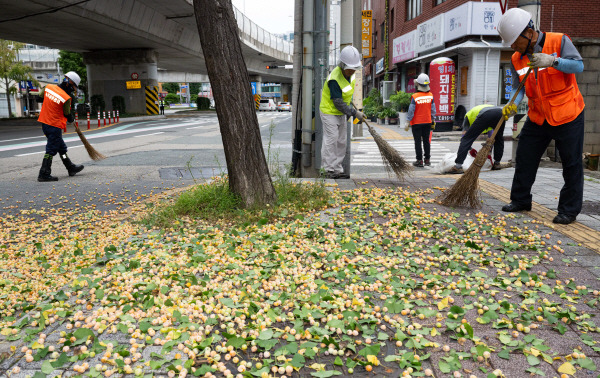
(259, 35)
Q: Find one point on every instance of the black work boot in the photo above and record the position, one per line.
(72, 168)
(46, 170)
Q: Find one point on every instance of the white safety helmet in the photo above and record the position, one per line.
(351, 58)
(512, 23)
(423, 82)
(73, 77)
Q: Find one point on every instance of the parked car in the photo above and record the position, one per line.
(267, 105)
(284, 107)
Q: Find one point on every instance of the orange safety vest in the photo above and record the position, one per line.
(554, 96)
(52, 112)
(423, 102)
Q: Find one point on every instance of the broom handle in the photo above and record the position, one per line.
(512, 100)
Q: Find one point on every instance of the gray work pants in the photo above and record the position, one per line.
(333, 149)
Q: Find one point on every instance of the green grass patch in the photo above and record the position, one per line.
(215, 203)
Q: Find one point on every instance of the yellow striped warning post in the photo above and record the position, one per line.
(151, 99)
(257, 100)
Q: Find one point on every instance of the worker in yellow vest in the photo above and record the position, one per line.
(336, 99)
(480, 120)
(421, 118)
(55, 113)
(556, 110)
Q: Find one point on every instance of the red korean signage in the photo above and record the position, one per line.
(442, 78)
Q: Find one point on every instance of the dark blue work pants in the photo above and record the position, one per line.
(533, 142)
(55, 140)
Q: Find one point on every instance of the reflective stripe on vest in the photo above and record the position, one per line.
(52, 112)
(554, 96)
(327, 106)
(423, 102)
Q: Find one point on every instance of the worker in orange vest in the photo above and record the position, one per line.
(556, 110)
(421, 118)
(55, 113)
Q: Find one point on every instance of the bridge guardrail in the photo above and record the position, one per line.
(260, 35)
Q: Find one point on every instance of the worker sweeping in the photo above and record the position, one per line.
(556, 110)
(480, 120)
(55, 113)
(421, 118)
(336, 98)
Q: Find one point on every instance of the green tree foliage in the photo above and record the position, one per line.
(97, 103)
(203, 103)
(12, 70)
(171, 87)
(171, 98)
(118, 103)
(73, 61)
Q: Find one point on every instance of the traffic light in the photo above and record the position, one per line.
(272, 67)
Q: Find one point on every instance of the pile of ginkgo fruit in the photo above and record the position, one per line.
(384, 282)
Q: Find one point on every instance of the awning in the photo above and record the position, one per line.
(464, 45)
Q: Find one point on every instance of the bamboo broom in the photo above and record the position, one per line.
(392, 160)
(95, 155)
(465, 191)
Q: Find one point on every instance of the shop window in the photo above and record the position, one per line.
(438, 2)
(413, 9)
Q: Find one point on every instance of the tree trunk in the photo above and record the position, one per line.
(6, 85)
(246, 164)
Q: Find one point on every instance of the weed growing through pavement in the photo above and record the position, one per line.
(214, 202)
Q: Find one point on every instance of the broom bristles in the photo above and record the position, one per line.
(465, 191)
(392, 160)
(95, 155)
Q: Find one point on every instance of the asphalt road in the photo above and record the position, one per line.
(147, 157)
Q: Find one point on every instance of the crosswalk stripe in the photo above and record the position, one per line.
(367, 153)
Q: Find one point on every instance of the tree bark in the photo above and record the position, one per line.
(6, 85)
(246, 163)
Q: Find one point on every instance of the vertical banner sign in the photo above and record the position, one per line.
(151, 99)
(367, 27)
(442, 76)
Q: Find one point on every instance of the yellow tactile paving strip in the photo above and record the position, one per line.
(580, 233)
(386, 132)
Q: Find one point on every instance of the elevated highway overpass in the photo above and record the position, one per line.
(155, 39)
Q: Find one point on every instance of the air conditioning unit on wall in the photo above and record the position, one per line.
(387, 89)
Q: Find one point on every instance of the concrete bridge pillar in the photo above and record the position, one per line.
(286, 92)
(109, 70)
(258, 80)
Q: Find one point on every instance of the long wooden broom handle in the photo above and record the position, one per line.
(512, 100)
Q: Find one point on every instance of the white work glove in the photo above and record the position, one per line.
(509, 111)
(407, 126)
(359, 115)
(541, 60)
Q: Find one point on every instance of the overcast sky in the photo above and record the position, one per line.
(275, 16)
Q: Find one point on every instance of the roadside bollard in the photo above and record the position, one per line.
(98, 119)
(76, 120)
(88, 117)
(104, 116)
(114, 117)
(117, 116)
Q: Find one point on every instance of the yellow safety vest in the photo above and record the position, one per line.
(473, 113)
(327, 106)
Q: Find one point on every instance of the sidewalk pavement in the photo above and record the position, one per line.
(388, 281)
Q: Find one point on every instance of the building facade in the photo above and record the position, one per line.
(408, 35)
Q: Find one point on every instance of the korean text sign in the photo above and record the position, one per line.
(442, 76)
